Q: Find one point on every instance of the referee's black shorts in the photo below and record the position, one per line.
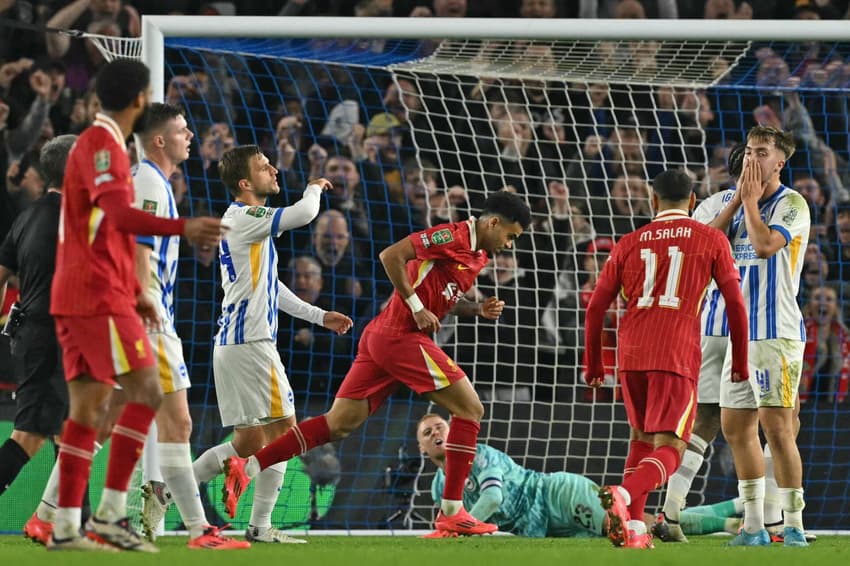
(42, 394)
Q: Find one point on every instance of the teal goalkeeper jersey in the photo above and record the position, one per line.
(534, 504)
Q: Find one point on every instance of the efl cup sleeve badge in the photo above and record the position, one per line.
(149, 206)
(443, 236)
(256, 211)
(101, 160)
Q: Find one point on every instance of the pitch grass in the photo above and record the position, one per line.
(473, 551)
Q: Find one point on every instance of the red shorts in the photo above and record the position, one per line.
(384, 362)
(658, 401)
(103, 346)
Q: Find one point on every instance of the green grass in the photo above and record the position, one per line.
(474, 551)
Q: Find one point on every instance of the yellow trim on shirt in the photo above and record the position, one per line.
(256, 252)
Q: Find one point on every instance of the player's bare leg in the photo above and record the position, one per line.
(780, 428)
(740, 427)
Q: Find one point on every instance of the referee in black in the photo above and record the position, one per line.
(29, 251)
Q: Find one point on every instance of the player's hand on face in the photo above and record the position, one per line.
(492, 308)
(204, 231)
(147, 310)
(337, 322)
(426, 321)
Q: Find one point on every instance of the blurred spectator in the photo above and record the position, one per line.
(630, 207)
(815, 270)
(16, 43)
(102, 17)
(826, 358)
(83, 111)
(202, 169)
(628, 8)
(311, 353)
(538, 9)
(31, 95)
(381, 149)
(726, 10)
(420, 190)
(819, 203)
(24, 181)
(348, 195)
(840, 268)
(347, 279)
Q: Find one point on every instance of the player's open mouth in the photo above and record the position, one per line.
(438, 442)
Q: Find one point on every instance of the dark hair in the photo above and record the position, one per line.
(508, 206)
(53, 157)
(235, 165)
(119, 82)
(158, 116)
(673, 185)
(736, 160)
(784, 141)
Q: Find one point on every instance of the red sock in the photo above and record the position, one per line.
(460, 452)
(297, 440)
(128, 441)
(75, 456)
(638, 450)
(651, 473)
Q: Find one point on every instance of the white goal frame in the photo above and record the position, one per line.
(156, 28)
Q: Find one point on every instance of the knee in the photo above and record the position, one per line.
(175, 429)
(248, 441)
(473, 411)
(30, 442)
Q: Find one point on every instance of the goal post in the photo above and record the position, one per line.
(578, 115)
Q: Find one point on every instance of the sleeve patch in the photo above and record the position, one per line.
(443, 236)
(149, 206)
(426, 243)
(102, 160)
(256, 211)
(789, 216)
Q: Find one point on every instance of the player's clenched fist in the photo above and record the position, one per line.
(204, 231)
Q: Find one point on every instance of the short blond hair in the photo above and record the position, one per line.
(784, 141)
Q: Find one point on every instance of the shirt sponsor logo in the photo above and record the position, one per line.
(256, 211)
(443, 236)
(101, 160)
(149, 206)
(101, 179)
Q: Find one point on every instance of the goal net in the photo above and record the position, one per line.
(419, 131)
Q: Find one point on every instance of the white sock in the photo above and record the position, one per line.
(113, 505)
(266, 491)
(739, 505)
(176, 466)
(252, 468)
(211, 463)
(637, 527)
(626, 495)
(772, 504)
(752, 493)
(46, 509)
(450, 507)
(150, 457)
(680, 482)
(792, 504)
(67, 522)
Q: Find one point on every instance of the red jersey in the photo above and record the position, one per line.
(662, 271)
(95, 263)
(445, 268)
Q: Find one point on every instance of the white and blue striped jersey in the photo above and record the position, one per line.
(713, 322)
(252, 292)
(249, 274)
(770, 285)
(155, 196)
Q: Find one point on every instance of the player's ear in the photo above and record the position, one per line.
(692, 202)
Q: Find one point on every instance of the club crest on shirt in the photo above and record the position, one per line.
(789, 216)
(256, 211)
(149, 206)
(101, 160)
(443, 236)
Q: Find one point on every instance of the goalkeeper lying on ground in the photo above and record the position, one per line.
(534, 504)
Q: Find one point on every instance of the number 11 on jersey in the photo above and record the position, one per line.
(650, 262)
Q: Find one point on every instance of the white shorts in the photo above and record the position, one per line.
(775, 368)
(168, 350)
(251, 384)
(713, 354)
